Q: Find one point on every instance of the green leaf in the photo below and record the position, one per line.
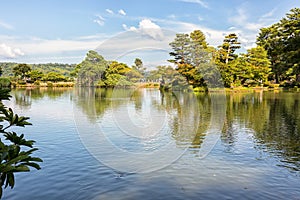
(17, 159)
(11, 180)
(36, 159)
(22, 168)
(35, 165)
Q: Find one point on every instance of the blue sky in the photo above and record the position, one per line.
(63, 30)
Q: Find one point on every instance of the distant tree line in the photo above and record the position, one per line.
(30, 73)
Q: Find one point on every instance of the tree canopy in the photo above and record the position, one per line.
(282, 42)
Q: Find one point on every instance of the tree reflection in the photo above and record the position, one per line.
(275, 119)
(25, 96)
(186, 114)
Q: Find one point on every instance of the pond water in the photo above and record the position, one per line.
(145, 144)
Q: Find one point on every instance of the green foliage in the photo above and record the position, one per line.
(115, 75)
(21, 70)
(49, 84)
(139, 69)
(21, 82)
(227, 49)
(191, 56)
(226, 59)
(94, 70)
(91, 69)
(134, 76)
(258, 64)
(64, 69)
(13, 157)
(282, 42)
(54, 76)
(35, 75)
(181, 47)
(5, 82)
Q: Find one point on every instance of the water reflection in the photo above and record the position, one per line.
(157, 125)
(24, 97)
(275, 119)
(272, 119)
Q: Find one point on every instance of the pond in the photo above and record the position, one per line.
(147, 144)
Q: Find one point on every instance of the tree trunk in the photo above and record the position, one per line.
(227, 56)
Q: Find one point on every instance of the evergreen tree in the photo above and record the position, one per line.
(282, 42)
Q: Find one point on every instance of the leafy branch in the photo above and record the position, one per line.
(13, 157)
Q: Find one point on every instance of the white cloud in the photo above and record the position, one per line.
(122, 12)
(214, 37)
(9, 52)
(247, 30)
(99, 20)
(147, 27)
(132, 28)
(200, 2)
(109, 11)
(130, 44)
(232, 28)
(6, 26)
(36, 50)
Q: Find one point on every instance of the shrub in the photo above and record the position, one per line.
(5, 82)
(37, 83)
(49, 84)
(21, 82)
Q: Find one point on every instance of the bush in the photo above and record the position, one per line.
(200, 89)
(49, 84)
(21, 82)
(37, 83)
(5, 82)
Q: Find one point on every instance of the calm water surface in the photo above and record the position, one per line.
(238, 146)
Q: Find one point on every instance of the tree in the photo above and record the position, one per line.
(13, 156)
(91, 69)
(199, 38)
(228, 48)
(115, 75)
(190, 53)
(35, 75)
(225, 58)
(282, 42)
(259, 64)
(181, 47)
(21, 70)
(54, 76)
(139, 67)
